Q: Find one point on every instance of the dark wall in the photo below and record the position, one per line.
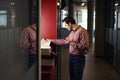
(107, 42)
(109, 19)
(100, 28)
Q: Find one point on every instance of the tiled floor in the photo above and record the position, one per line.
(95, 69)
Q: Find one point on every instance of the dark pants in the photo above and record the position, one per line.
(76, 67)
(32, 59)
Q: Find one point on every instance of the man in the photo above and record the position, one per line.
(78, 41)
(28, 42)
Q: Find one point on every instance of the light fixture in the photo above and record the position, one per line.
(116, 4)
(58, 3)
(12, 3)
(82, 4)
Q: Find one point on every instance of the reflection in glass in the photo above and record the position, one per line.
(13, 17)
(3, 18)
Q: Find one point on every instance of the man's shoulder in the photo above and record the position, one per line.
(81, 28)
(28, 28)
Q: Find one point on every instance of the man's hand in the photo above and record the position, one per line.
(67, 41)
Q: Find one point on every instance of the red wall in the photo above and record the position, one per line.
(48, 19)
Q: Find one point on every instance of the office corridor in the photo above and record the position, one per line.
(96, 68)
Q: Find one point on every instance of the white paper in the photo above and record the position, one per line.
(45, 44)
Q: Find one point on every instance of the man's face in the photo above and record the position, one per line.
(68, 26)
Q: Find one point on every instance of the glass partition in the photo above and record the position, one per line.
(15, 15)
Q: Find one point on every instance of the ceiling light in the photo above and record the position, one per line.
(83, 4)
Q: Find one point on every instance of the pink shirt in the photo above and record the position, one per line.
(28, 39)
(79, 41)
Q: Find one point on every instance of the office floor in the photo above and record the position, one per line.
(95, 69)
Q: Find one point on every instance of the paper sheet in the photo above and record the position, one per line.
(45, 44)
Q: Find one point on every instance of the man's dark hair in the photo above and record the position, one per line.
(68, 20)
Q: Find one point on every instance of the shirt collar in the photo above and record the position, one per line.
(76, 28)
